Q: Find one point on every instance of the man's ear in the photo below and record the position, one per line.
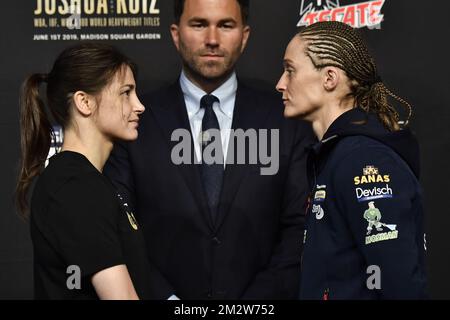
(246, 34)
(331, 78)
(175, 32)
(85, 104)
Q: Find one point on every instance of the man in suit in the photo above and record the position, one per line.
(216, 230)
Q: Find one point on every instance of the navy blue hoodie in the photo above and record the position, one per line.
(364, 235)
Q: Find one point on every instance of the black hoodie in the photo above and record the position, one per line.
(364, 235)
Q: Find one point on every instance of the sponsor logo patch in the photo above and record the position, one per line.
(318, 210)
(374, 193)
(371, 175)
(385, 231)
(320, 196)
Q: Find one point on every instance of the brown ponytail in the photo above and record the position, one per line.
(35, 137)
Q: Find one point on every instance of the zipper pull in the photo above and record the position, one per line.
(308, 204)
(326, 294)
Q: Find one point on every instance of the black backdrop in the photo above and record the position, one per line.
(410, 49)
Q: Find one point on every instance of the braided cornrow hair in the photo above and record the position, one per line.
(337, 44)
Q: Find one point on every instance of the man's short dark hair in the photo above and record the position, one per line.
(178, 7)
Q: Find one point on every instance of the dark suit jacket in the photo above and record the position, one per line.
(253, 250)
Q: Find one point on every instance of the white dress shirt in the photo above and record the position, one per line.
(223, 109)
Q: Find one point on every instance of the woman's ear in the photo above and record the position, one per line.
(331, 78)
(85, 104)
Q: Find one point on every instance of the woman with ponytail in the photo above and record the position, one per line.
(364, 235)
(87, 243)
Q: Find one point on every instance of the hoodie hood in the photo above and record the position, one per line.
(358, 122)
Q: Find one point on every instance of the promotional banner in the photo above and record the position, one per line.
(62, 20)
(358, 15)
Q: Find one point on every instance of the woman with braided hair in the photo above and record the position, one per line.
(364, 235)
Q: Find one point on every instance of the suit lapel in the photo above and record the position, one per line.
(247, 115)
(172, 115)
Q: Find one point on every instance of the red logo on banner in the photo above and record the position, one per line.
(358, 15)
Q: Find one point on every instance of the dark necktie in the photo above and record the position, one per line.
(212, 174)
